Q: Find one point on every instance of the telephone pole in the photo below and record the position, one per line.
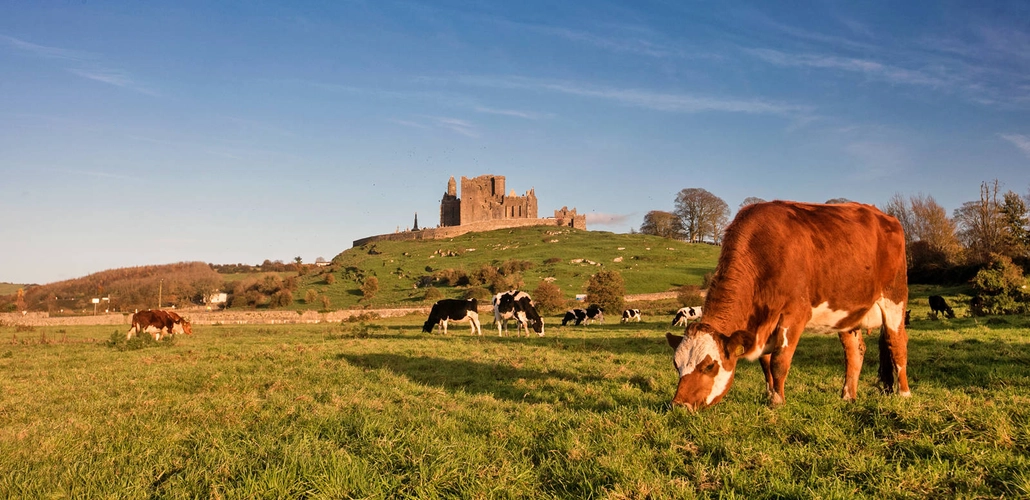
(160, 289)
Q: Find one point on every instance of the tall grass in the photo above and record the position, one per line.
(380, 410)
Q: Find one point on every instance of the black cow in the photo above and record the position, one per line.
(631, 315)
(453, 310)
(939, 305)
(595, 312)
(518, 306)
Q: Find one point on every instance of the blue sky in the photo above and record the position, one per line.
(136, 133)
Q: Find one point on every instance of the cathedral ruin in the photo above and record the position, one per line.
(482, 205)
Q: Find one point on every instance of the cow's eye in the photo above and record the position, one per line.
(710, 367)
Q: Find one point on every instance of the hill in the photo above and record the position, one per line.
(525, 257)
(9, 288)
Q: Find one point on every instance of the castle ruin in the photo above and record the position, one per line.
(483, 206)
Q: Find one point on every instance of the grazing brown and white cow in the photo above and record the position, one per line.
(631, 315)
(685, 315)
(519, 306)
(453, 310)
(787, 265)
(156, 322)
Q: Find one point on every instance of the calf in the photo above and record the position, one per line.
(939, 305)
(686, 315)
(453, 310)
(631, 315)
(518, 306)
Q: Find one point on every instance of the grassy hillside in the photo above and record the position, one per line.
(9, 288)
(648, 264)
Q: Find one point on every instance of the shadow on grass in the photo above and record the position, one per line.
(498, 380)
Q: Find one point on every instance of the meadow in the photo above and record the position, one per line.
(381, 410)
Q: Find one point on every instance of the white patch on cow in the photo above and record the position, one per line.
(893, 313)
(823, 316)
(722, 380)
(785, 341)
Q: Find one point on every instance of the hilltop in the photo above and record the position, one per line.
(565, 256)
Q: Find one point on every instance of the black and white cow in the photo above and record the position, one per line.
(516, 305)
(631, 315)
(686, 315)
(453, 310)
(591, 313)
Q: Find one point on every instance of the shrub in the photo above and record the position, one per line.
(330, 278)
(512, 266)
(484, 276)
(690, 296)
(552, 260)
(311, 296)
(370, 287)
(607, 289)
(282, 298)
(325, 303)
(432, 295)
(548, 298)
(706, 280)
(451, 277)
(1000, 286)
(479, 293)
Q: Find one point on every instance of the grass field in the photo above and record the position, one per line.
(9, 288)
(383, 411)
(648, 263)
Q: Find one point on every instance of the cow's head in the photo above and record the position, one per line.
(705, 361)
(187, 328)
(427, 327)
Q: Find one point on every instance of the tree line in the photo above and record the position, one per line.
(985, 242)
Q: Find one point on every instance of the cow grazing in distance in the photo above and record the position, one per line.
(581, 316)
(453, 310)
(785, 266)
(518, 306)
(631, 315)
(939, 305)
(156, 322)
(576, 315)
(908, 317)
(685, 315)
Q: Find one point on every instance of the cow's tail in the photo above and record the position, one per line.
(886, 362)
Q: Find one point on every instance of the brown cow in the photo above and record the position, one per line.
(787, 265)
(156, 322)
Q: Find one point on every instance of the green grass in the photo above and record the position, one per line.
(9, 288)
(383, 411)
(649, 263)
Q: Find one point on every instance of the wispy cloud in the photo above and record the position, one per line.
(876, 159)
(648, 99)
(528, 115)
(456, 125)
(602, 219)
(83, 64)
(868, 68)
(1020, 141)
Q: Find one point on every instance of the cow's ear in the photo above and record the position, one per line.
(674, 340)
(738, 343)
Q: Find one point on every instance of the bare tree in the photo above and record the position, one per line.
(751, 200)
(702, 214)
(980, 224)
(933, 233)
(664, 224)
(897, 206)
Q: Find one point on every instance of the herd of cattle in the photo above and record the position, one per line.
(517, 305)
(783, 266)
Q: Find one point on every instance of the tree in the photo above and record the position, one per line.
(607, 289)
(664, 224)
(980, 224)
(898, 207)
(548, 298)
(370, 287)
(934, 231)
(298, 260)
(1016, 221)
(702, 214)
(751, 200)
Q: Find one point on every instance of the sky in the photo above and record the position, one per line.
(136, 133)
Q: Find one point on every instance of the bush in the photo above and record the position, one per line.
(282, 298)
(706, 280)
(330, 279)
(479, 293)
(370, 287)
(512, 266)
(607, 289)
(552, 260)
(548, 298)
(325, 303)
(451, 277)
(310, 296)
(1000, 287)
(690, 296)
(432, 295)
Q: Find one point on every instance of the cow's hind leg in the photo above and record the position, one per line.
(894, 359)
(854, 353)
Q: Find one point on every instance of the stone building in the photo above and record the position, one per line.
(483, 199)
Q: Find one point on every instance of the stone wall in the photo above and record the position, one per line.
(210, 317)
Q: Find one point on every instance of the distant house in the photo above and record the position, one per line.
(217, 298)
